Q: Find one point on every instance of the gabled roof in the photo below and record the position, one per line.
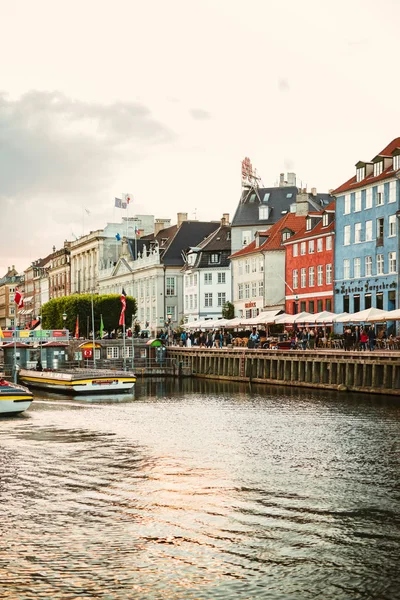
(290, 221)
(218, 240)
(319, 229)
(278, 199)
(353, 184)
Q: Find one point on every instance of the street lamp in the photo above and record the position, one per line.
(64, 318)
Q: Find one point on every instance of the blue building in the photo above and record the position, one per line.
(367, 239)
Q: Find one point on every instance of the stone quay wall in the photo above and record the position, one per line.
(371, 372)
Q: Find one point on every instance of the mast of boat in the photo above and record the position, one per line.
(124, 338)
(15, 356)
(93, 334)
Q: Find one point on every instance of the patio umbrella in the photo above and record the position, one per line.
(344, 317)
(324, 317)
(264, 318)
(391, 315)
(369, 315)
(290, 319)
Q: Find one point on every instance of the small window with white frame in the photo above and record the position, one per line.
(328, 270)
(207, 278)
(295, 279)
(319, 245)
(295, 249)
(325, 220)
(368, 231)
(392, 262)
(346, 268)
(329, 242)
(392, 225)
(311, 247)
(221, 277)
(379, 196)
(357, 233)
(360, 173)
(368, 198)
(347, 204)
(302, 248)
(308, 224)
(215, 258)
(378, 168)
(368, 266)
(346, 235)
(357, 267)
(396, 162)
(380, 264)
(246, 238)
(303, 275)
(392, 190)
(357, 202)
(320, 275)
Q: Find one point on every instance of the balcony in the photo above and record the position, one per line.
(379, 241)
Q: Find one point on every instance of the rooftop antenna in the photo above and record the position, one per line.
(250, 180)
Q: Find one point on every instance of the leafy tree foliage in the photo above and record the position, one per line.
(107, 306)
(228, 310)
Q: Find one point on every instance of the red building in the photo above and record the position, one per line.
(309, 264)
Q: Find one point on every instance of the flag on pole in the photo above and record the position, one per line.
(123, 309)
(1, 333)
(87, 211)
(77, 328)
(137, 231)
(101, 327)
(18, 299)
(128, 198)
(120, 203)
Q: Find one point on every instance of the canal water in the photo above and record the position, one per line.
(196, 489)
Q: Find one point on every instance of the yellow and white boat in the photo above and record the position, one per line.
(14, 398)
(79, 381)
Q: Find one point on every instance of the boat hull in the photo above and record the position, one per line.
(78, 382)
(14, 398)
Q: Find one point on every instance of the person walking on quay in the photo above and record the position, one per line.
(347, 338)
(363, 339)
(371, 338)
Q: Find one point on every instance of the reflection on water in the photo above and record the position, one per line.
(198, 489)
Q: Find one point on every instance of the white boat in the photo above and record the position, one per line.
(79, 381)
(14, 398)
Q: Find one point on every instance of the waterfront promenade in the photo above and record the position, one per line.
(375, 372)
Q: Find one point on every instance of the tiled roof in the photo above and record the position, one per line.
(317, 230)
(290, 221)
(353, 184)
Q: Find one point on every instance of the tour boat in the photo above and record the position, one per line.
(79, 381)
(14, 398)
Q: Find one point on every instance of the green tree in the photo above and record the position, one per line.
(80, 305)
(228, 310)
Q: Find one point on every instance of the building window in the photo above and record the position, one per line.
(240, 267)
(328, 304)
(319, 245)
(357, 233)
(368, 198)
(295, 279)
(311, 247)
(246, 238)
(195, 279)
(295, 249)
(347, 199)
(368, 266)
(113, 352)
(346, 304)
(379, 231)
(379, 198)
(261, 288)
(392, 189)
(215, 258)
(396, 162)
(311, 307)
(325, 220)
(186, 302)
(253, 289)
(346, 232)
(221, 298)
(195, 301)
(208, 300)
(367, 301)
(221, 277)
(328, 269)
(329, 242)
(356, 302)
(392, 225)
(346, 268)
(360, 173)
(357, 202)
(191, 302)
(263, 213)
(311, 276)
(380, 266)
(319, 306)
(379, 300)
(247, 290)
(303, 278)
(247, 266)
(240, 291)
(207, 278)
(254, 265)
(378, 168)
(392, 262)
(303, 306)
(170, 282)
(308, 224)
(302, 248)
(357, 268)
(171, 310)
(320, 275)
(368, 231)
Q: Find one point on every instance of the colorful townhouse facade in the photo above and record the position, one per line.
(309, 264)
(367, 240)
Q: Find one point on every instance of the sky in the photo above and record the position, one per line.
(163, 100)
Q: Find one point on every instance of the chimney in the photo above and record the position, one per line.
(181, 218)
(158, 226)
(54, 248)
(225, 219)
(291, 179)
(302, 204)
(314, 191)
(282, 180)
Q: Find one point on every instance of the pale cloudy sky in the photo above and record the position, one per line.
(164, 99)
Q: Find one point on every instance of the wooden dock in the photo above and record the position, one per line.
(376, 372)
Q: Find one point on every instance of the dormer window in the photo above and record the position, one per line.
(215, 258)
(308, 224)
(378, 168)
(263, 213)
(285, 236)
(325, 220)
(396, 162)
(360, 173)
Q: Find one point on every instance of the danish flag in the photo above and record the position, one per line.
(18, 299)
